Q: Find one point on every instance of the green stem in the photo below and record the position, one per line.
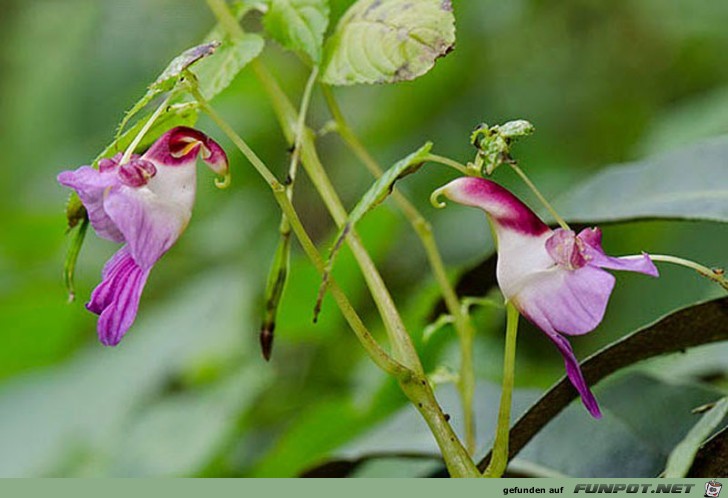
(150, 122)
(380, 357)
(225, 18)
(414, 384)
(540, 196)
(417, 389)
(402, 346)
(499, 460)
(463, 325)
(412, 381)
(714, 274)
(449, 162)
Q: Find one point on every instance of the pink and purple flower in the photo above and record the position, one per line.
(555, 278)
(145, 203)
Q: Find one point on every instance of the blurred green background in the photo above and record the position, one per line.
(187, 392)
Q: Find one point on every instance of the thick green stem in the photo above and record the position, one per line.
(402, 345)
(414, 384)
(417, 389)
(411, 377)
(377, 354)
(499, 460)
(461, 320)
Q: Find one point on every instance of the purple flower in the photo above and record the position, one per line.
(555, 278)
(146, 204)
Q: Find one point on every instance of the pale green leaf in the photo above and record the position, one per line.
(299, 25)
(690, 183)
(385, 41)
(168, 79)
(216, 73)
(684, 453)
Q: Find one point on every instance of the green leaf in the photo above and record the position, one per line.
(688, 184)
(386, 41)
(684, 453)
(216, 73)
(689, 327)
(633, 438)
(43, 429)
(169, 77)
(299, 25)
(377, 193)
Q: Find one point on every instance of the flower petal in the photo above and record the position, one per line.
(506, 210)
(592, 238)
(181, 145)
(91, 185)
(571, 302)
(573, 371)
(116, 299)
(149, 224)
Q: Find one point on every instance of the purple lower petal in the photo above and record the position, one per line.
(116, 299)
(592, 238)
(91, 186)
(573, 370)
(150, 226)
(571, 302)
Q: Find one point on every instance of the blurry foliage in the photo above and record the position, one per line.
(602, 82)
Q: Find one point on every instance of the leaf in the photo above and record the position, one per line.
(377, 193)
(689, 327)
(299, 25)
(90, 402)
(386, 41)
(216, 73)
(168, 79)
(684, 453)
(687, 184)
(633, 438)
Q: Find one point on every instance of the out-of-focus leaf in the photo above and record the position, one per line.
(181, 433)
(643, 419)
(217, 72)
(689, 327)
(687, 184)
(712, 458)
(87, 404)
(377, 193)
(299, 25)
(386, 41)
(684, 453)
(699, 118)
